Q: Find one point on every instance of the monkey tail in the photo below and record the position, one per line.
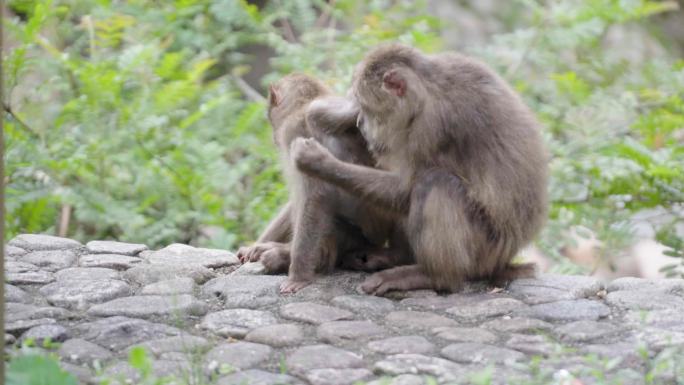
(513, 271)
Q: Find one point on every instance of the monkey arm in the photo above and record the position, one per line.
(332, 114)
(280, 228)
(382, 187)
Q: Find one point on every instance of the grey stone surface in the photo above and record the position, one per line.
(257, 377)
(395, 339)
(170, 286)
(582, 331)
(30, 278)
(474, 353)
(13, 251)
(347, 331)
(80, 351)
(488, 308)
(236, 322)
(402, 345)
(116, 333)
(86, 273)
(517, 325)
(278, 335)
(551, 287)
(110, 261)
(313, 313)
(19, 311)
(80, 294)
(238, 355)
(178, 254)
(146, 306)
(417, 320)
(307, 358)
(444, 371)
(186, 344)
(574, 310)
(670, 286)
(465, 335)
(537, 345)
(645, 300)
(145, 274)
(52, 332)
(337, 376)
(250, 268)
(244, 291)
(113, 247)
(34, 242)
(15, 294)
(364, 303)
(51, 260)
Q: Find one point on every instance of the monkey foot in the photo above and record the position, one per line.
(410, 277)
(257, 251)
(290, 286)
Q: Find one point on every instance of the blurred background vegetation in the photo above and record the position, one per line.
(144, 120)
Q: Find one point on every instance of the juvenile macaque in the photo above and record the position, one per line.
(461, 161)
(321, 221)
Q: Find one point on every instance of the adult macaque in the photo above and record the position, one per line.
(322, 221)
(461, 160)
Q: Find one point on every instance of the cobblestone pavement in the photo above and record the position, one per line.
(199, 313)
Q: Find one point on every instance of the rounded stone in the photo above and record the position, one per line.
(443, 370)
(582, 331)
(313, 313)
(30, 278)
(75, 294)
(552, 287)
(465, 335)
(116, 333)
(112, 247)
(34, 242)
(538, 345)
(581, 309)
(237, 355)
(418, 320)
(517, 325)
(346, 331)
(488, 308)
(54, 332)
(668, 286)
(313, 357)
(474, 353)
(364, 303)
(15, 294)
(186, 344)
(179, 254)
(51, 260)
(81, 351)
(86, 273)
(403, 379)
(257, 377)
(644, 300)
(182, 285)
(278, 335)
(402, 345)
(146, 306)
(144, 274)
(337, 376)
(236, 322)
(111, 261)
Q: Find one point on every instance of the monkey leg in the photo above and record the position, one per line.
(314, 243)
(409, 277)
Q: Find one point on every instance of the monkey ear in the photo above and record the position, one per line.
(394, 82)
(273, 97)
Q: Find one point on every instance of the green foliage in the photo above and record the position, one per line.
(136, 115)
(37, 369)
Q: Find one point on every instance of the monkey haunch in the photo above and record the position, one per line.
(462, 162)
(321, 221)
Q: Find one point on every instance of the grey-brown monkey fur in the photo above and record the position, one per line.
(460, 158)
(321, 221)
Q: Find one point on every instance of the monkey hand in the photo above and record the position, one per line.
(308, 153)
(291, 286)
